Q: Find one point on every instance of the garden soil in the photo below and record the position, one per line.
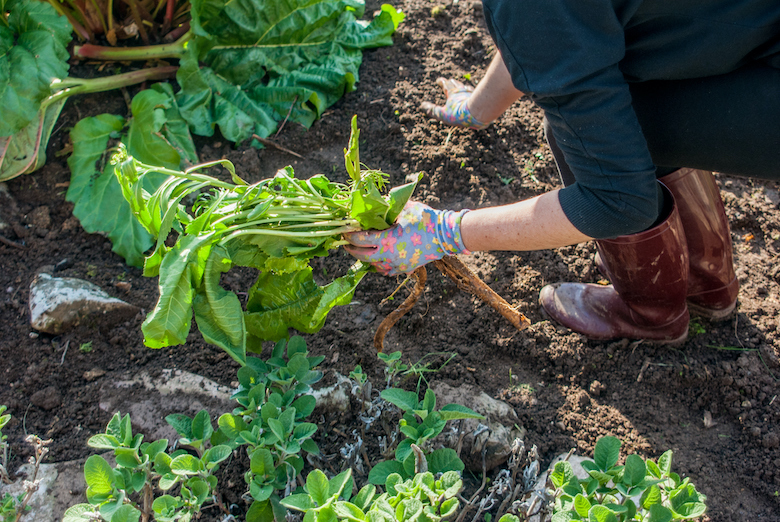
(713, 400)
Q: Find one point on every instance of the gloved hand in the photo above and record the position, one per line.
(420, 235)
(456, 110)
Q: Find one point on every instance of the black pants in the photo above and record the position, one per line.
(728, 123)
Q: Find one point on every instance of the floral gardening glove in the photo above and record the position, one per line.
(456, 110)
(420, 235)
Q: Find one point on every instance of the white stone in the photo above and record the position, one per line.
(42, 503)
(500, 419)
(58, 304)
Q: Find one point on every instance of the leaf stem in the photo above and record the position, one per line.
(147, 52)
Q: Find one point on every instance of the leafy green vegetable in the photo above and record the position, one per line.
(246, 65)
(276, 225)
(156, 133)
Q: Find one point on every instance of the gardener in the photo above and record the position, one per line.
(632, 91)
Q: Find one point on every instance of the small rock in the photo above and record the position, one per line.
(47, 398)
(770, 440)
(94, 373)
(123, 286)
(40, 217)
(708, 422)
(58, 304)
(596, 388)
(496, 440)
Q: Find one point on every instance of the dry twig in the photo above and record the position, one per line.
(270, 143)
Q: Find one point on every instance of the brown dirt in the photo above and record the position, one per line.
(567, 391)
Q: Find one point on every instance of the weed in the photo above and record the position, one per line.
(85, 347)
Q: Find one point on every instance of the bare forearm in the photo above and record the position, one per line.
(532, 224)
(494, 94)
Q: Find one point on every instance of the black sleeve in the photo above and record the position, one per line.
(565, 55)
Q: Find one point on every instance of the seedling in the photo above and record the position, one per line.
(420, 423)
(126, 492)
(639, 490)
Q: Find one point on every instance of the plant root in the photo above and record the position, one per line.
(468, 281)
(464, 279)
(420, 276)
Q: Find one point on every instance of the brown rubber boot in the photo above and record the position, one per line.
(646, 300)
(712, 284)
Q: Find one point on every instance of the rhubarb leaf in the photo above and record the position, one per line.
(218, 312)
(265, 61)
(25, 151)
(280, 301)
(33, 41)
(156, 134)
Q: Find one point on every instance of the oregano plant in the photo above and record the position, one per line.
(643, 490)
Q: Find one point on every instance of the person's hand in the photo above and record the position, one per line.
(456, 110)
(420, 235)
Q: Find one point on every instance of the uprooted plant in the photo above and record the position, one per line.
(276, 225)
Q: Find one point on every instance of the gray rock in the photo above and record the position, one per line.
(500, 420)
(42, 505)
(58, 304)
(150, 399)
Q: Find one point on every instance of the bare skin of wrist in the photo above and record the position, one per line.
(494, 94)
(537, 223)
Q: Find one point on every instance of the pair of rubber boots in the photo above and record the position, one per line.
(657, 275)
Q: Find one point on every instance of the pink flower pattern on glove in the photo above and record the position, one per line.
(420, 235)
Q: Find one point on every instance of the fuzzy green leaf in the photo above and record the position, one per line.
(405, 400)
(444, 459)
(98, 475)
(634, 471)
(456, 411)
(607, 452)
(317, 486)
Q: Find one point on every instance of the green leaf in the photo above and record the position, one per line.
(348, 511)
(218, 312)
(260, 512)
(262, 65)
(382, 471)
(659, 513)
(98, 200)
(665, 462)
(607, 452)
(298, 502)
(341, 485)
(33, 41)
(180, 275)
(600, 513)
(78, 513)
(217, 454)
(444, 459)
(185, 465)
(98, 475)
(405, 400)
(278, 302)
(25, 151)
(181, 423)
(317, 486)
(201, 426)
(581, 505)
(103, 441)
(126, 513)
(686, 502)
(562, 474)
(261, 462)
(634, 470)
(456, 411)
